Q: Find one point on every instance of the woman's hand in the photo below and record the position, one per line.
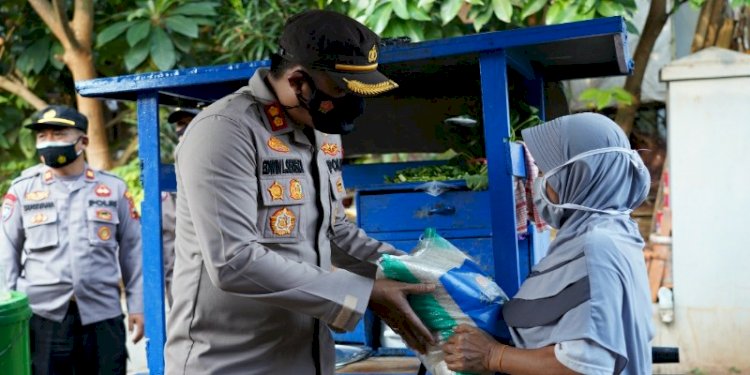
(470, 350)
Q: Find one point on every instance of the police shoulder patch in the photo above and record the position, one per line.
(9, 202)
(275, 117)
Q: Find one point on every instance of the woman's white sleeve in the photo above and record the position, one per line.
(585, 357)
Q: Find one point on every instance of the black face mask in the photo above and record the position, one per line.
(332, 115)
(58, 155)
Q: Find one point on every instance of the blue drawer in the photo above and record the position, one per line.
(415, 211)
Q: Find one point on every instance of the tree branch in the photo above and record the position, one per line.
(44, 9)
(60, 11)
(17, 88)
(83, 22)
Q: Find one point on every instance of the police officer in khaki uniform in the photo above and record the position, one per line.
(180, 118)
(266, 261)
(69, 235)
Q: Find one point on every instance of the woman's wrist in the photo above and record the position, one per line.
(494, 360)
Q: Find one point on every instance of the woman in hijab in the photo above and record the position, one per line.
(585, 308)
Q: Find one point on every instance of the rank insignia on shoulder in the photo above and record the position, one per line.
(37, 195)
(102, 190)
(47, 177)
(277, 144)
(295, 190)
(133, 212)
(275, 117)
(8, 202)
(89, 174)
(340, 185)
(38, 219)
(276, 191)
(331, 149)
(282, 222)
(104, 214)
(104, 233)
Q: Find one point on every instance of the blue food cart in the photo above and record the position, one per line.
(477, 75)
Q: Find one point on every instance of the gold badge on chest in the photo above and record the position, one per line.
(37, 195)
(282, 222)
(276, 191)
(295, 190)
(276, 144)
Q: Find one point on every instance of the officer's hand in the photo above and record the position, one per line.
(388, 301)
(135, 320)
(470, 350)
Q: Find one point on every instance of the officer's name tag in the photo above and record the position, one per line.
(38, 206)
(282, 166)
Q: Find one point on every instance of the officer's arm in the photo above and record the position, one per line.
(129, 239)
(353, 249)
(217, 174)
(11, 238)
(167, 234)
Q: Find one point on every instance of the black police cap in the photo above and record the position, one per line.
(179, 113)
(59, 116)
(338, 45)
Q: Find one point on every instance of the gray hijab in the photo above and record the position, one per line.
(592, 284)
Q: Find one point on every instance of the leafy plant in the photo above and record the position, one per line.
(131, 173)
(158, 31)
(601, 98)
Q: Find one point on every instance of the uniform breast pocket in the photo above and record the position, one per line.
(41, 230)
(102, 226)
(281, 213)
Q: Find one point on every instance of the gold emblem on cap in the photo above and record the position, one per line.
(362, 88)
(276, 191)
(51, 116)
(373, 55)
(282, 222)
(295, 190)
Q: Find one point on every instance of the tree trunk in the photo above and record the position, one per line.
(81, 65)
(76, 38)
(657, 18)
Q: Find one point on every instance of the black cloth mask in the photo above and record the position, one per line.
(57, 154)
(332, 115)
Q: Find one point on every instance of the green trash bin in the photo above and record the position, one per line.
(15, 355)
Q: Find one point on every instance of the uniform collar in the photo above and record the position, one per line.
(48, 176)
(274, 116)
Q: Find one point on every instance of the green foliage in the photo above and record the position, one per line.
(157, 34)
(249, 29)
(131, 173)
(601, 98)
(17, 145)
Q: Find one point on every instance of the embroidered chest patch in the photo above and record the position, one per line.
(282, 222)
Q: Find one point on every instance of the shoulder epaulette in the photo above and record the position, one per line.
(29, 173)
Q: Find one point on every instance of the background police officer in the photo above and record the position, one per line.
(180, 118)
(69, 235)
